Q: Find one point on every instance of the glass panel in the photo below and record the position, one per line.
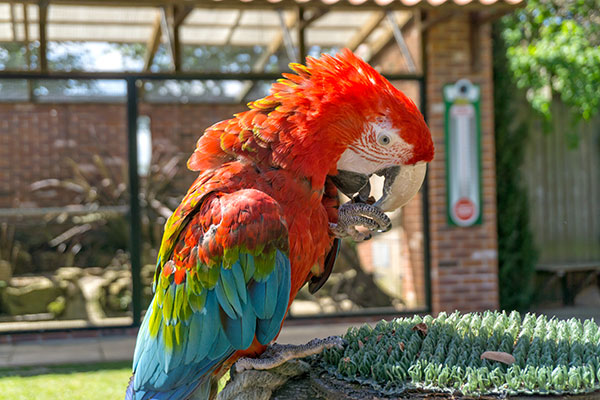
(14, 90)
(206, 91)
(73, 90)
(222, 59)
(14, 56)
(63, 203)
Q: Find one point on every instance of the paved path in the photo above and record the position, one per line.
(120, 348)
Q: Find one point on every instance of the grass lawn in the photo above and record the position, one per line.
(106, 381)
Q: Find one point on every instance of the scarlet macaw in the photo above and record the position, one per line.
(262, 217)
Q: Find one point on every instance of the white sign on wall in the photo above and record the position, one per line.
(463, 153)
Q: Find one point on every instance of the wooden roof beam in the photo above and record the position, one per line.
(275, 44)
(262, 61)
(365, 30)
(264, 4)
(171, 19)
(13, 21)
(153, 42)
(26, 35)
(388, 35)
(233, 27)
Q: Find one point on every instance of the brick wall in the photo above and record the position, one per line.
(464, 260)
(37, 139)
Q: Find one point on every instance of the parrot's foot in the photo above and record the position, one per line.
(351, 215)
(277, 354)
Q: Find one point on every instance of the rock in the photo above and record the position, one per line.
(119, 294)
(29, 295)
(94, 271)
(115, 294)
(69, 273)
(75, 303)
(5, 271)
(91, 287)
(72, 305)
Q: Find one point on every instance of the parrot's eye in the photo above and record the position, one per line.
(384, 140)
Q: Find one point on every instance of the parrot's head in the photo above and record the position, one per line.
(372, 126)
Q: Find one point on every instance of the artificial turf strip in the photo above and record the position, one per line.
(444, 354)
(104, 381)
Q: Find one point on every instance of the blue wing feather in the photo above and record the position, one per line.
(192, 327)
(267, 329)
(208, 341)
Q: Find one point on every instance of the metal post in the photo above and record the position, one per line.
(425, 191)
(301, 35)
(43, 15)
(134, 200)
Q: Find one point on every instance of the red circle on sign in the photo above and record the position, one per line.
(464, 208)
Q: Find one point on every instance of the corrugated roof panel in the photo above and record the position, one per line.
(200, 35)
(100, 14)
(328, 37)
(32, 12)
(98, 33)
(34, 30)
(5, 32)
(250, 36)
(342, 18)
(4, 10)
(266, 17)
(204, 16)
(362, 3)
(207, 25)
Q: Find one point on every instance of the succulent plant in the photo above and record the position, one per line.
(445, 354)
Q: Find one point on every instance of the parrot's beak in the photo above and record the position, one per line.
(400, 185)
(351, 183)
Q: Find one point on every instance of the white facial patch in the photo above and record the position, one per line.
(379, 147)
(353, 161)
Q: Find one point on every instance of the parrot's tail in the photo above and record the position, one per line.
(129, 392)
(196, 391)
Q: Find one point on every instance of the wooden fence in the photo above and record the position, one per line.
(563, 183)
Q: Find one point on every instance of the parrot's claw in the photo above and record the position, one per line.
(278, 354)
(351, 215)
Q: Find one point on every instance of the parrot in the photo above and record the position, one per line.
(263, 217)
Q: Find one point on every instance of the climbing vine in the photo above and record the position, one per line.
(517, 255)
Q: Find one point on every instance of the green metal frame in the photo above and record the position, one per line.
(477, 107)
(132, 80)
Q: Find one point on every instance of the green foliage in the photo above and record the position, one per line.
(551, 356)
(517, 254)
(553, 47)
